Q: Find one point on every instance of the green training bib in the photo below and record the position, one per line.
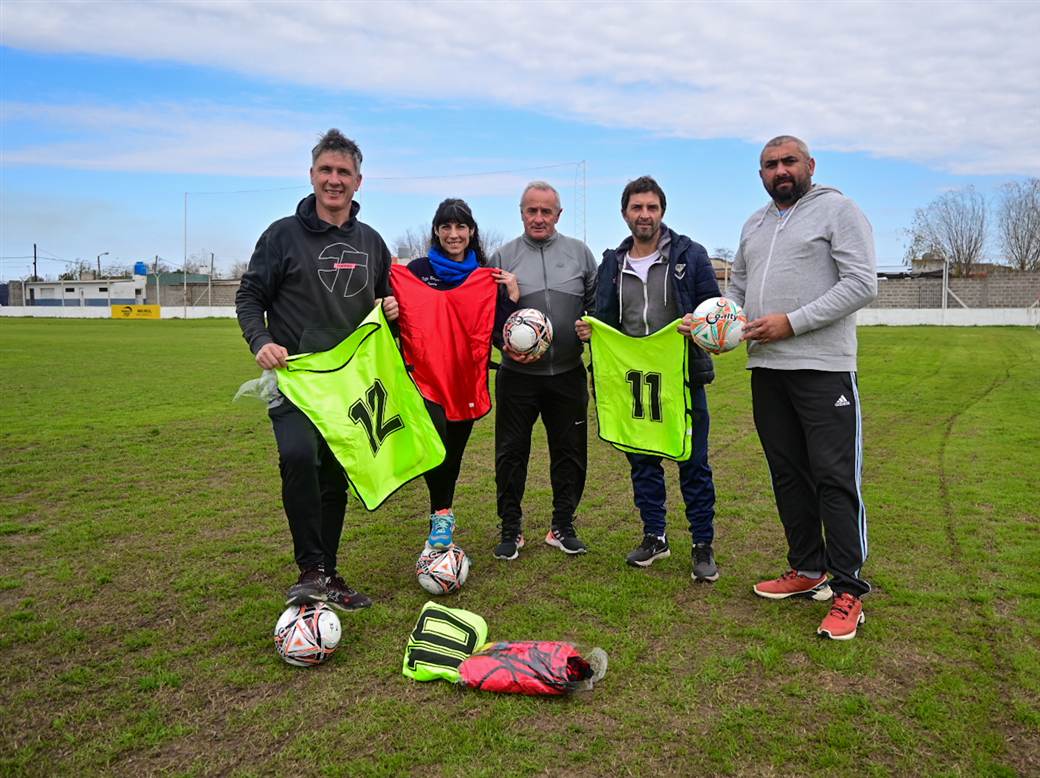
(360, 397)
(642, 388)
(442, 638)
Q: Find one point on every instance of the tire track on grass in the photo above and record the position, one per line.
(976, 612)
(949, 519)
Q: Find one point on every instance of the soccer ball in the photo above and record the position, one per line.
(528, 332)
(307, 635)
(717, 324)
(442, 571)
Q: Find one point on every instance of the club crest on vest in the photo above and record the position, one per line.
(680, 270)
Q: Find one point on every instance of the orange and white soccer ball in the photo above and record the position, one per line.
(442, 570)
(717, 325)
(528, 332)
(307, 635)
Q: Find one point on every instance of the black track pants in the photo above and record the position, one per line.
(563, 402)
(811, 432)
(314, 487)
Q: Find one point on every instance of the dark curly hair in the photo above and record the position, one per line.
(642, 185)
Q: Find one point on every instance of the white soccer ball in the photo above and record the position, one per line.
(528, 332)
(307, 635)
(442, 570)
(718, 324)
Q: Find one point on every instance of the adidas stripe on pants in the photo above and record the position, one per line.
(811, 432)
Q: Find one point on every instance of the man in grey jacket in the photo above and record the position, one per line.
(804, 267)
(557, 276)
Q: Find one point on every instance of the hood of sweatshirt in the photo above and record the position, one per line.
(817, 190)
(307, 215)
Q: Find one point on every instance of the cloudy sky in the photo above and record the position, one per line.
(119, 119)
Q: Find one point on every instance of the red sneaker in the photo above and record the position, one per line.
(791, 584)
(846, 614)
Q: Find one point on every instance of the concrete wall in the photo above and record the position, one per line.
(89, 312)
(892, 317)
(172, 295)
(996, 290)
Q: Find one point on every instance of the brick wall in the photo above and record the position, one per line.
(996, 290)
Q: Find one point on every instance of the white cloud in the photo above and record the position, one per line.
(951, 84)
(164, 138)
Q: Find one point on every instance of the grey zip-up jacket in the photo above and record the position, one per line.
(558, 277)
(816, 264)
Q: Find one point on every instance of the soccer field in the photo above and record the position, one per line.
(144, 558)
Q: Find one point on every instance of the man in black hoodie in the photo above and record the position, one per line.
(311, 280)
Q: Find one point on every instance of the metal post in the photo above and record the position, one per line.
(945, 283)
(210, 282)
(184, 267)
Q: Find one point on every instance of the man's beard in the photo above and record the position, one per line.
(789, 196)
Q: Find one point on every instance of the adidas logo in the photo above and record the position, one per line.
(841, 402)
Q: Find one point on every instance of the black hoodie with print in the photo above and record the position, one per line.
(314, 281)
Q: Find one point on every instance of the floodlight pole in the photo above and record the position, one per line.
(184, 267)
(99, 256)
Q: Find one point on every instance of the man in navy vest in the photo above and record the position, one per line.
(653, 278)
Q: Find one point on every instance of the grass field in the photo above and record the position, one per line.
(144, 557)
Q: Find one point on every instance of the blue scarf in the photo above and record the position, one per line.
(453, 272)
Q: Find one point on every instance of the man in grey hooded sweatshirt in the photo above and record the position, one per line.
(805, 265)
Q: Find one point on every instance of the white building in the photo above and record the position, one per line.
(99, 292)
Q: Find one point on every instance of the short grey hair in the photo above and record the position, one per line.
(780, 140)
(336, 141)
(542, 186)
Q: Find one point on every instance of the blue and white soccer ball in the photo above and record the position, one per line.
(442, 570)
(307, 635)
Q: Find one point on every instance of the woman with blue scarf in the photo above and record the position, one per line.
(455, 253)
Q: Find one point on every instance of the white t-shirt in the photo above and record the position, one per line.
(641, 265)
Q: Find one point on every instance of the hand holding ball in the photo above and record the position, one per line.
(528, 333)
(716, 325)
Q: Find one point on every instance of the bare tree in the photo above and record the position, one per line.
(116, 271)
(490, 240)
(723, 253)
(412, 243)
(75, 270)
(238, 268)
(1018, 223)
(198, 262)
(953, 226)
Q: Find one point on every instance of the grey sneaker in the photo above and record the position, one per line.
(704, 568)
(509, 548)
(566, 539)
(310, 587)
(650, 550)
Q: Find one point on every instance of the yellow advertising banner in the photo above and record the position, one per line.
(135, 312)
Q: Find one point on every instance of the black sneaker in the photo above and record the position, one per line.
(650, 550)
(704, 568)
(342, 597)
(510, 546)
(309, 588)
(566, 539)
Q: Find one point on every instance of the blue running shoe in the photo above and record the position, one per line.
(442, 526)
